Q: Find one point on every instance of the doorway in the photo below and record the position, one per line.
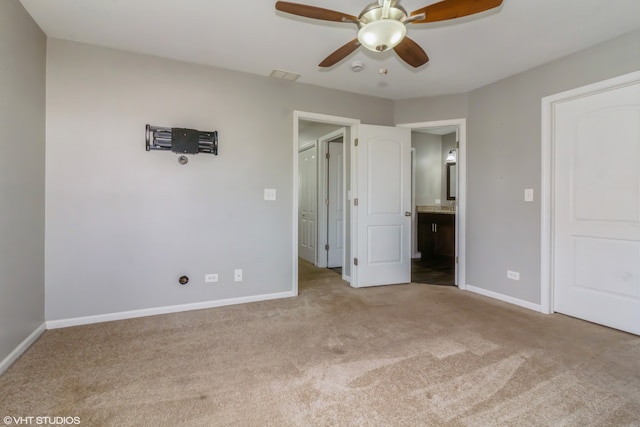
(311, 129)
(438, 202)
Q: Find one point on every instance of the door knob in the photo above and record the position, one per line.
(407, 213)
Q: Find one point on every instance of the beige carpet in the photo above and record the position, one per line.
(411, 355)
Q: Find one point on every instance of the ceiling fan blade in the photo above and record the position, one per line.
(313, 12)
(411, 53)
(341, 53)
(450, 9)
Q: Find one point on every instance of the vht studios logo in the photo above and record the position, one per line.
(49, 421)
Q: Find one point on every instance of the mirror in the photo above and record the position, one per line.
(452, 184)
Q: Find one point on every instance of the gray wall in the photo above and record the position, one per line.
(428, 157)
(123, 224)
(504, 158)
(22, 136)
(417, 110)
(311, 131)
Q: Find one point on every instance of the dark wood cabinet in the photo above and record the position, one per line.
(436, 237)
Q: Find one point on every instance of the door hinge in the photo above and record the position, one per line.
(356, 142)
(355, 202)
(327, 156)
(355, 261)
(326, 247)
(326, 202)
(456, 260)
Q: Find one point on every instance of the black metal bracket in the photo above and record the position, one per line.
(181, 140)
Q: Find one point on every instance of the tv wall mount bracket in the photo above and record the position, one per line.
(181, 141)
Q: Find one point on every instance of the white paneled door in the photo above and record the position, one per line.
(383, 211)
(596, 214)
(307, 203)
(335, 226)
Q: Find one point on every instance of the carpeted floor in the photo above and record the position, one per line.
(409, 355)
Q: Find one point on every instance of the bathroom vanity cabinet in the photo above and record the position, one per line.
(437, 236)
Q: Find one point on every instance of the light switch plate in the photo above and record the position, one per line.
(269, 193)
(528, 194)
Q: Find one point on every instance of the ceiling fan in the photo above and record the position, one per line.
(382, 25)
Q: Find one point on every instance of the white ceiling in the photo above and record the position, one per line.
(251, 36)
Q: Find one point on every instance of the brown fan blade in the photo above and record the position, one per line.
(451, 9)
(313, 12)
(340, 53)
(411, 53)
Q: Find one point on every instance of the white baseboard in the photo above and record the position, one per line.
(77, 321)
(21, 348)
(505, 298)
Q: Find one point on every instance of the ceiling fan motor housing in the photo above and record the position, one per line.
(373, 12)
(391, 26)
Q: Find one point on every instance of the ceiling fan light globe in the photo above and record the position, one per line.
(381, 35)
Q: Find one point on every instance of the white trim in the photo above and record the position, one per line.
(322, 118)
(505, 298)
(548, 179)
(461, 199)
(77, 321)
(21, 348)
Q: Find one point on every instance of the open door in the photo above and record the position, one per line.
(307, 203)
(382, 206)
(335, 204)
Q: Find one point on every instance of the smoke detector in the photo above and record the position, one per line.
(357, 66)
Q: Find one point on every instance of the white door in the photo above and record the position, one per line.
(597, 208)
(307, 203)
(382, 162)
(335, 215)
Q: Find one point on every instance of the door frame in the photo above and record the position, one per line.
(298, 115)
(547, 184)
(461, 199)
(323, 193)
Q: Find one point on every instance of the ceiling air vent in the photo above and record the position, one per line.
(285, 75)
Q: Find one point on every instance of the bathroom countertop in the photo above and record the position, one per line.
(448, 210)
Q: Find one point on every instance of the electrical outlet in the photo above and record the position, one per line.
(269, 193)
(513, 275)
(210, 278)
(237, 275)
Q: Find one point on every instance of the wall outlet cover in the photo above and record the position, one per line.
(269, 193)
(513, 275)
